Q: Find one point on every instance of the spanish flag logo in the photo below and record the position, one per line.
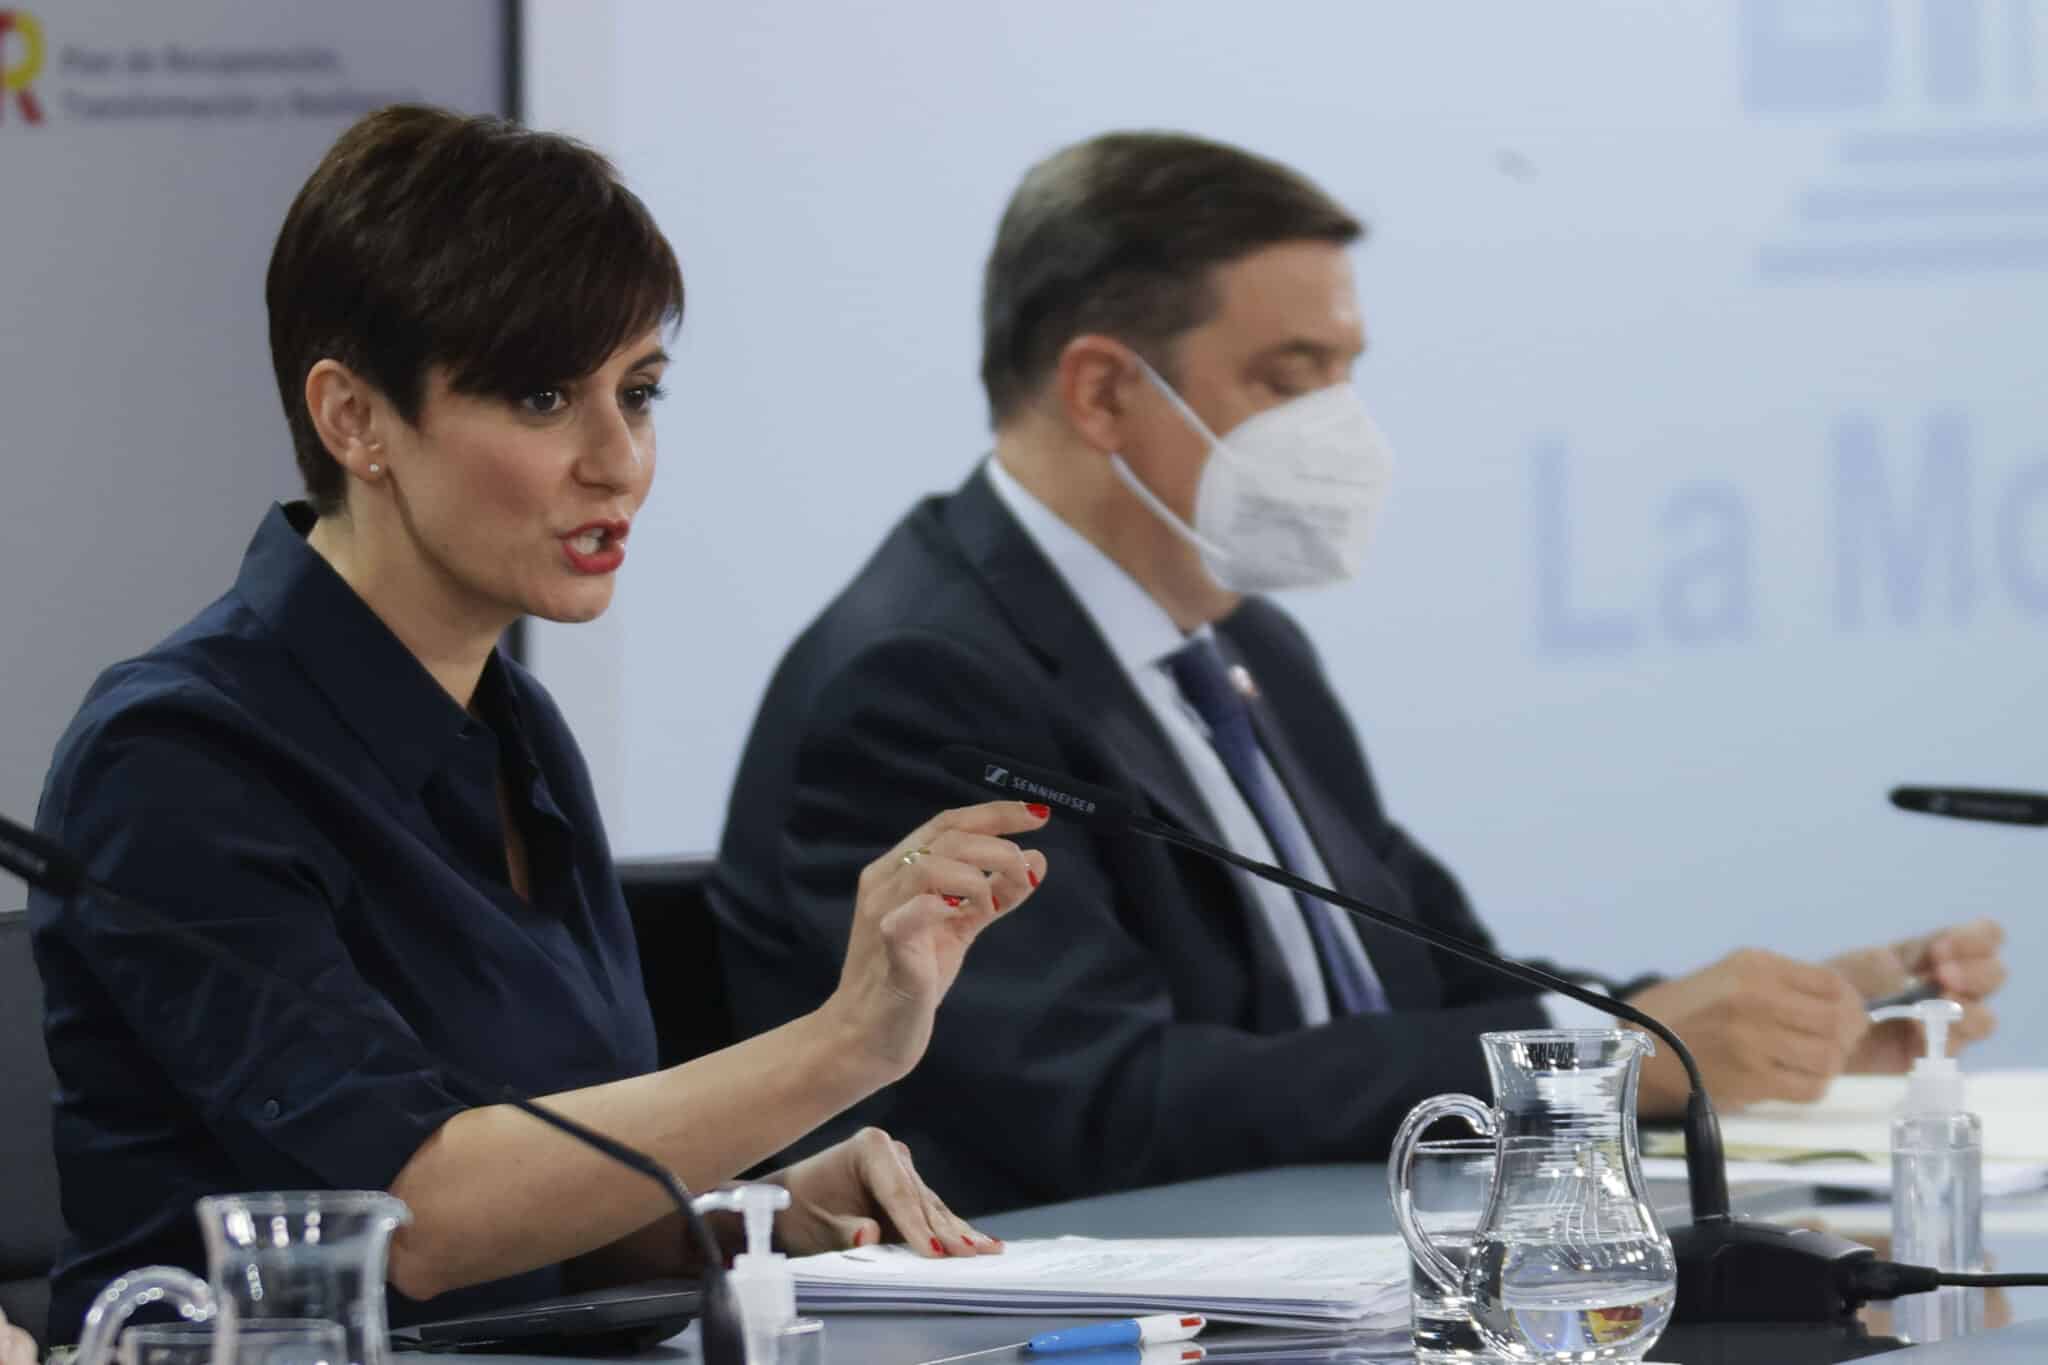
(21, 61)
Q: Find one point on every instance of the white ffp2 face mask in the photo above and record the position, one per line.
(1288, 498)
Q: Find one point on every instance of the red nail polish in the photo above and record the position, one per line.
(938, 1246)
(966, 1239)
(1033, 876)
(953, 901)
(996, 901)
(1040, 811)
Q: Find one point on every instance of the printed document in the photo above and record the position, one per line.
(1356, 1283)
(1843, 1140)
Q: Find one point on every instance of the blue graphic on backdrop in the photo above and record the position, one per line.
(1967, 190)
(1922, 532)
(1807, 58)
(1903, 550)
(1701, 591)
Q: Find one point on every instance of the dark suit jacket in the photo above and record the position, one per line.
(1132, 1024)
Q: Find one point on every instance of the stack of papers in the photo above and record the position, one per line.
(1843, 1140)
(1335, 1284)
(1858, 1175)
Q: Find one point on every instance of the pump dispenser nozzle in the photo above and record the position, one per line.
(759, 1277)
(1935, 1085)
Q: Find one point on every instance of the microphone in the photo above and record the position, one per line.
(1729, 1269)
(48, 865)
(1974, 803)
(1706, 1170)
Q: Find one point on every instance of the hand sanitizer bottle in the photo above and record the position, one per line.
(1937, 1182)
(760, 1276)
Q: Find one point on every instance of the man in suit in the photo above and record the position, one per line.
(1170, 326)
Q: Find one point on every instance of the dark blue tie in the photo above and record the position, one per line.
(1199, 671)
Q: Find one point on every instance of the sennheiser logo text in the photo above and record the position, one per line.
(997, 776)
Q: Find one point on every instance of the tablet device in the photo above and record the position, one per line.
(614, 1321)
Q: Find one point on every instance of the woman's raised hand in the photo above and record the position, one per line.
(918, 909)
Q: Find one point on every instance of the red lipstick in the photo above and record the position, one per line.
(596, 547)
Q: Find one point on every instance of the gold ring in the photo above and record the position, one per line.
(914, 854)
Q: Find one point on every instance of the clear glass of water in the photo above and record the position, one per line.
(1450, 1180)
(258, 1341)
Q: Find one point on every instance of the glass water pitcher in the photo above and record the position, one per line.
(1569, 1262)
(311, 1255)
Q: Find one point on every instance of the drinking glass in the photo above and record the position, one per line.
(1448, 1183)
(259, 1341)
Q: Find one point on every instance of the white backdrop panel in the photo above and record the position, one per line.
(1708, 334)
(139, 421)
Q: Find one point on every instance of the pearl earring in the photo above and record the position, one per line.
(376, 469)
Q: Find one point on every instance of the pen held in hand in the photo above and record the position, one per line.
(1915, 990)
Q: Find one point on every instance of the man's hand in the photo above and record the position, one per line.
(863, 1191)
(1961, 960)
(1762, 1027)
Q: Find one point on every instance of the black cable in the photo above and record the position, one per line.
(1706, 1167)
(1867, 1280)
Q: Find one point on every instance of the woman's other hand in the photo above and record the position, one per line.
(919, 907)
(864, 1191)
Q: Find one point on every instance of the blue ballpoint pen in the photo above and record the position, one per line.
(1156, 1353)
(1160, 1327)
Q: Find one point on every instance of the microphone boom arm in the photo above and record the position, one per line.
(1706, 1171)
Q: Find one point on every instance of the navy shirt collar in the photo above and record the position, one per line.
(380, 689)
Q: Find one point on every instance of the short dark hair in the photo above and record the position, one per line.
(515, 259)
(1118, 234)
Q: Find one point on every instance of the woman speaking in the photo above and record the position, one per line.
(333, 769)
